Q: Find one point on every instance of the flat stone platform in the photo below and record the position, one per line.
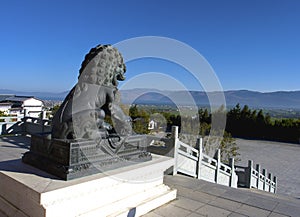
(201, 198)
(194, 197)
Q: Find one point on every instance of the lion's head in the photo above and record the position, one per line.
(103, 65)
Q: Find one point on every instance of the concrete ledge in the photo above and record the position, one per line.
(137, 188)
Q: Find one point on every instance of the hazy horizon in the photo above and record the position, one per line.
(2, 91)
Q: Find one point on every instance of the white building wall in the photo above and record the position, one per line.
(33, 107)
(5, 108)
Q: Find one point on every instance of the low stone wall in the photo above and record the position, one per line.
(24, 125)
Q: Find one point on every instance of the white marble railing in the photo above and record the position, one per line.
(24, 124)
(256, 178)
(195, 163)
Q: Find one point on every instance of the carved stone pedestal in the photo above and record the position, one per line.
(136, 189)
(70, 159)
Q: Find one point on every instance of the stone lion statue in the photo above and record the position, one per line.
(94, 97)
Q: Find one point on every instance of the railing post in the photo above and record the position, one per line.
(248, 173)
(270, 178)
(3, 129)
(264, 172)
(231, 164)
(44, 115)
(42, 118)
(200, 145)
(258, 175)
(175, 140)
(218, 166)
(275, 181)
(174, 134)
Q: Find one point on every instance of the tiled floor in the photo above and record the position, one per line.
(200, 198)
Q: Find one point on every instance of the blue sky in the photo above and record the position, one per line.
(251, 45)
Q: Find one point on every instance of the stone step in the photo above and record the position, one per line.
(137, 204)
(36, 194)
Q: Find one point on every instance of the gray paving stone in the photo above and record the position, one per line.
(274, 214)
(213, 190)
(234, 214)
(225, 204)
(195, 215)
(212, 211)
(262, 203)
(212, 185)
(3, 214)
(204, 197)
(187, 203)
(13, 147)
(252, 211)
(187, 182)
(287, 209)
(234, 195)
(194, 195)
(170, 210)
(152, 214)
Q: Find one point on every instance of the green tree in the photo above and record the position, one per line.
(204, 116)
(2, 115)
(140, 120)
(204, 129)
(229, 148)
(54, 110)
(133, 112)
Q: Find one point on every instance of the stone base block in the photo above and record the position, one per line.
(134, 189)
(71, 159)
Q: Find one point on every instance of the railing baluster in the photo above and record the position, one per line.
(200, 157)
(265, 178)
(258, 175)
(231, 163)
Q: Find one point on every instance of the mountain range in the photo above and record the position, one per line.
(41, 95)
(254, 99)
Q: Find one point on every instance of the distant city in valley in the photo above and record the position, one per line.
(277, 104)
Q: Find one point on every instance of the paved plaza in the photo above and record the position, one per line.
(281, 159)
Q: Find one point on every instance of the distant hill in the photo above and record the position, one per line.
(254, 99)
(40, 95)
(279, 99)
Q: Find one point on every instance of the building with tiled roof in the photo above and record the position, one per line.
(16, 105)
